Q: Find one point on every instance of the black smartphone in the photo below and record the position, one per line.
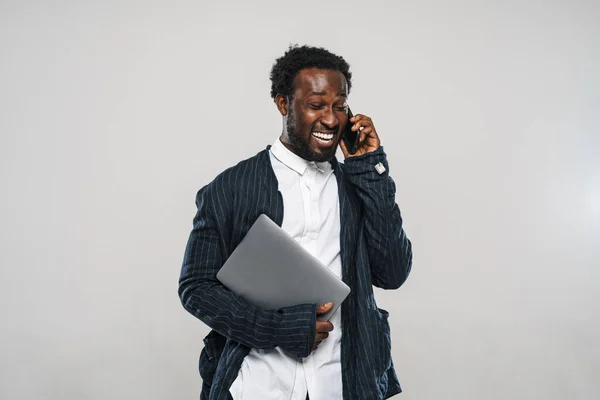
(350, 137)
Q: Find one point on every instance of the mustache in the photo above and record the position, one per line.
(323, 129)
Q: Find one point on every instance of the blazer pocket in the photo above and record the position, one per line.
(210, 355)
(384, 341)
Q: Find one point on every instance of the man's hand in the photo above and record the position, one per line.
(323, 328)
(368, 140)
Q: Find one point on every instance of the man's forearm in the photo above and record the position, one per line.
(291, 328)
(390, 251)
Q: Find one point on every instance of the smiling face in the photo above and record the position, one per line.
(315, 115)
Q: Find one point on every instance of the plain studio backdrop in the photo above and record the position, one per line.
(114, 114)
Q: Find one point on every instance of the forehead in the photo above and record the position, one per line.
(318, 80)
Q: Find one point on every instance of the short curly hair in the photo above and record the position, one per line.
(299, 57)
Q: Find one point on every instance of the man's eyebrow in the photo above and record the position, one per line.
(343, 94)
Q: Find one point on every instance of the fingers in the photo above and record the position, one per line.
(358, 117)
(323, 329)
(360, 120)
(358, 126)
(316, 345)
(344, 149)
(324, 308)
(365, 133)
(324, 326)
(368, 139)
(319, 337)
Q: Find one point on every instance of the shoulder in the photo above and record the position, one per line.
(233, 177)
(243, 170)
(218, 199)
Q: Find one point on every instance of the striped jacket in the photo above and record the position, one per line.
(374, 251)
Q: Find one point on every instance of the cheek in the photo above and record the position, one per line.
(309, 119)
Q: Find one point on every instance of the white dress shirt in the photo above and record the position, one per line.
(312, 217)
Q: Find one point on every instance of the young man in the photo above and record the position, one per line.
(344, 214)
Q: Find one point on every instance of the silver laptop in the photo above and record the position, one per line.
(269, 269)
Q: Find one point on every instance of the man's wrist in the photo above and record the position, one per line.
(372, 162)
(303, 322)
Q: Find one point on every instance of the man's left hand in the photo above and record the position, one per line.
(368, 140)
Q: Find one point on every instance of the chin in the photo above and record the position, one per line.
(303, 148)
(319, 156)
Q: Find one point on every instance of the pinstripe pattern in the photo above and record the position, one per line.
(374, 251)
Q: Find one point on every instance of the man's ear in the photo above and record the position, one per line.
(282, 104)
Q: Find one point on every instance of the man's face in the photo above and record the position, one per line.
(316, 115)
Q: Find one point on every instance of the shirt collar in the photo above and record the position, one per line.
(294, 161)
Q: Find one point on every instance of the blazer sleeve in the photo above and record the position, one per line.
(389, 249)
(291, 328)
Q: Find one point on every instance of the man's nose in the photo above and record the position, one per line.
(329, 119)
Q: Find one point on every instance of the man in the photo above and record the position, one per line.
(344, 214)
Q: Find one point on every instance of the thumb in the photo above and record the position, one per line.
(323, 308)
(344, 150)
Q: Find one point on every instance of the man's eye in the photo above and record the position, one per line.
(316, 106)
(340, 108)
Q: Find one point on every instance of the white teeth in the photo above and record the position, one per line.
(323, 136)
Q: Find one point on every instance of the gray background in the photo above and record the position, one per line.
(115, 113)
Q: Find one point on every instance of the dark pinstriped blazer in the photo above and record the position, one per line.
(374, 251)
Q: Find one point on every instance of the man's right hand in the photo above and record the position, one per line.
(323, 328)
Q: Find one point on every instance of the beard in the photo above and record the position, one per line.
(301, 146)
